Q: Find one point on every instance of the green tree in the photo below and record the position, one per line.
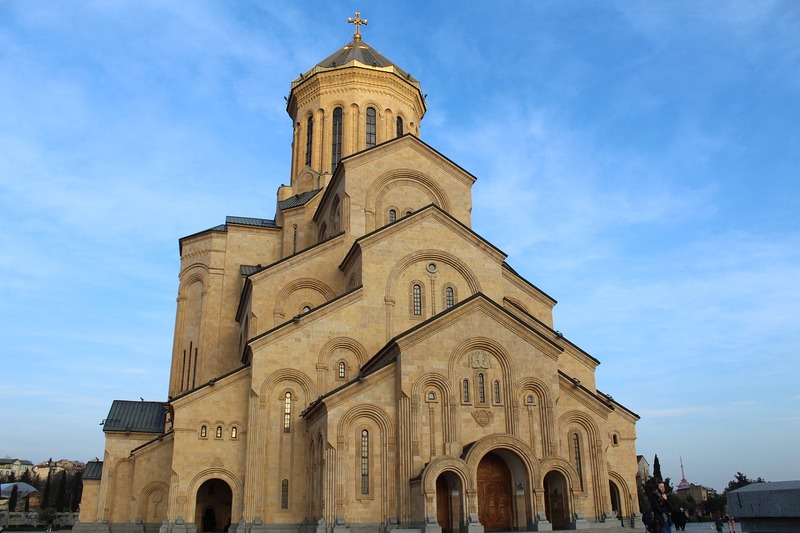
(46, 493)
(715, 504)
(657, 468)
(61, 495)
(75, 491)
(739, 481)
(12, 500)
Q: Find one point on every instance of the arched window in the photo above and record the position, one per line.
(342, 370)
(449, 297)
(306, 309)
(465, 391)
(336, 138)
(336, 215)
(218, 433)
(309, 139)
(323, 232)
(364, 461)
(399, 126)
(576, 450)
(287, 412)
(481, 388)
(417, 299)
(392, 215)
(285, 494)
(496, 391)
(203, 432)
(370, 127)
(294, 239)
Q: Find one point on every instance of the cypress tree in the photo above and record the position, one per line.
(12, 501)
(657, 469)
(46, 494)
(62, 492)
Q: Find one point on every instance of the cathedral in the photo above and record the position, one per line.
(365, 360)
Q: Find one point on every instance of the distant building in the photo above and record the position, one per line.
(643, 470)
(17, 467)
(54, 467)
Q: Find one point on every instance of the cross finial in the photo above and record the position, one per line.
(358, 21)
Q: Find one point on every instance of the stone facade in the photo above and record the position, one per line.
(365, 360)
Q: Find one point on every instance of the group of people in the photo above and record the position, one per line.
(720, 523)
(662, 516)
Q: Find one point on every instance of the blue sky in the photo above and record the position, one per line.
(638, 161)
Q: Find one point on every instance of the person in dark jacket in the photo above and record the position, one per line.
(662, 510)
(679, 519)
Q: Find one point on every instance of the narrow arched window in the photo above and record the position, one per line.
(465, 391)
(371, 121)
(399, 126)
(323, 232)
(364, 461)
(417, 299)
(294, 239)
(309, 139)
(481, 388)
(287, 412)
(392, 215)
(336, 215)
(203, 432)
(576, 451)
(496, 391)
(218, 433)
(449, 297)
(336, 138)
(234, 432)
(285, 494)
(342, 370)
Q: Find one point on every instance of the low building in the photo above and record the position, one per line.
(15, 467)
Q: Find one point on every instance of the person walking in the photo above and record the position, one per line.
(731, 524)
(662, 510)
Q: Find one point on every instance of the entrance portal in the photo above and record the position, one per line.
(555, 502)
(494, 494)
(213, 506)
(448, 502)
(616, 502)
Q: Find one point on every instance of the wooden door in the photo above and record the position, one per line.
(443, 510)
(494, 494)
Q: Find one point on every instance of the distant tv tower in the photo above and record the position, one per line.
(683, 484)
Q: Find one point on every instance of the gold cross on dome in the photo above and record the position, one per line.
(358, 21)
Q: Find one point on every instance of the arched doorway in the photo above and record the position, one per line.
(555, 500)
(495, 508)
(213, 506)
(448, 502)
(616, 501)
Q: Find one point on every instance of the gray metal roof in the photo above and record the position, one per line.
(94, 470)
(249, 269)
(297, 200)
(357, 53)
(247, 221)
(126, 415)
